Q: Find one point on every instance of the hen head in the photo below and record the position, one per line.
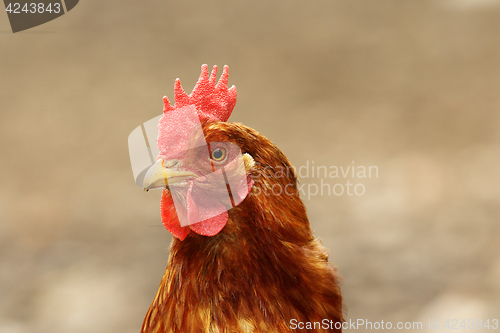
(207, 166)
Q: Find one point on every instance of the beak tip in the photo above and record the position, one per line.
(154, 176)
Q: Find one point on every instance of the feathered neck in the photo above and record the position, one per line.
(263, 271)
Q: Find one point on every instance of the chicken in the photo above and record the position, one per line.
(243, 257)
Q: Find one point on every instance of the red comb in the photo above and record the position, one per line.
(213, 102)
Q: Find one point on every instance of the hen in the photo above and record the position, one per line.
(243, 257)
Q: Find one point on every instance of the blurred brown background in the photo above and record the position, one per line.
(411, 87)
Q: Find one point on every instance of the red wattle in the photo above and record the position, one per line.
(206, 217)
(169, 217)
(211, 226)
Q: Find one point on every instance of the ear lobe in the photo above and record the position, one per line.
(249, 161)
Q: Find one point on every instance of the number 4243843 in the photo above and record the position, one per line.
(471, 323)
(33, 8)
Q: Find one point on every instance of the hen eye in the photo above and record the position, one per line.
(219, 154)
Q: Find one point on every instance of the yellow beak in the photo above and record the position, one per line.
(159, 176)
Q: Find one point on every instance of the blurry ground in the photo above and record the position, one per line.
(411, 87)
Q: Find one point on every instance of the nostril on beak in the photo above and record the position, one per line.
(171, 163)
